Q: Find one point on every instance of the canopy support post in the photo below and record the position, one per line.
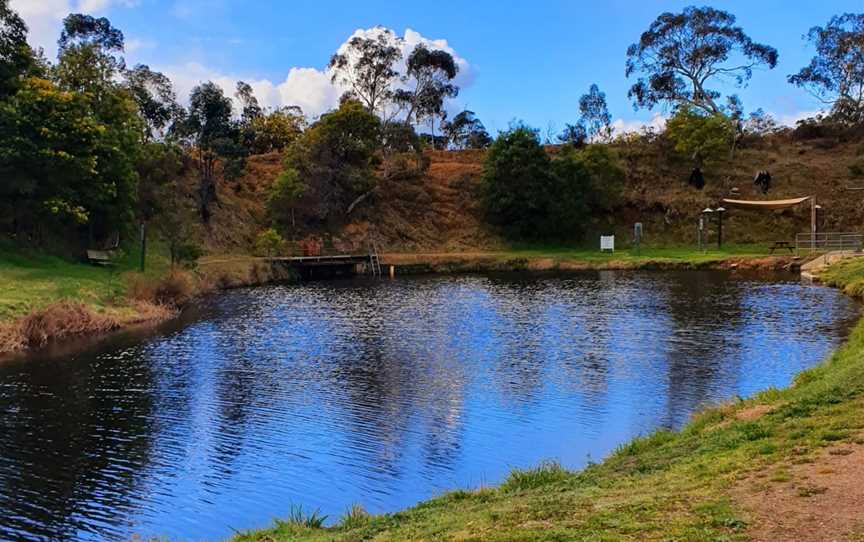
(813, 217)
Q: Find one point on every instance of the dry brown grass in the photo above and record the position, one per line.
(146, 311)
(11, 338)
(66, 319)
(172, 290)
(62, 320)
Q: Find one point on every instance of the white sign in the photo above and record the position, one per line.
(607, 242)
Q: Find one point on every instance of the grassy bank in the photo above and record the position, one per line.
(45, 298)
(545, 258)
(773, 467)
(30, 282)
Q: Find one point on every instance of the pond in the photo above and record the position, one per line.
(382, 393)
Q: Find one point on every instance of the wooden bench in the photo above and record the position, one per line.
(781, 244)
(100, 257)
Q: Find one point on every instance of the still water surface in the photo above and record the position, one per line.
(380, 393)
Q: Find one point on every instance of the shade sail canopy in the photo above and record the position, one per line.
(767, 205)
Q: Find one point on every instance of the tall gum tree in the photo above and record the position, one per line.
(210, 126)
(835, 75)
(367, 68)
(682, 56)
(428, 76)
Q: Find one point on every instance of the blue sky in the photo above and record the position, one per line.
(528, 61)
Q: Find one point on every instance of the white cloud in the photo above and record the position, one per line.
(135, 44)
(90, 6)
(621, 126)
(791, 119)
(309, 88)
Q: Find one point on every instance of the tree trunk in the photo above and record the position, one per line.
(358, 201)
(207, 187)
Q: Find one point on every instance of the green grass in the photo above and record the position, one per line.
(846, 274)
(31, 280)
(660, 254)
(664, 486)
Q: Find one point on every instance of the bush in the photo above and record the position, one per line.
(187, 254)
(699, 136)
(175, 289)
(269, 242)
(530, 195)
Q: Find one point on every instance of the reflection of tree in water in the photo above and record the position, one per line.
(402, 377)
(251, 368)
(516, 312)
(587, 336)
(74, 439)
(706, 312)
(239, 389)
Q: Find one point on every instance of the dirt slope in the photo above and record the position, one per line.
(440, 211)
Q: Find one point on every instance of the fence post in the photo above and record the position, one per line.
(813, 216)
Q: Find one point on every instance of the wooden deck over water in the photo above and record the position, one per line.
(322, 260)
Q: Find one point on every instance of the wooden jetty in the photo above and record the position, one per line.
(332, 264)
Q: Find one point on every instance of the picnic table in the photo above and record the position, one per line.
(781, 244)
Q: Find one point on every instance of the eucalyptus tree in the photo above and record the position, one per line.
(682, 56)
(157, 101)
(427, 83)
(334, 160)
(211, 131)
(574, 134)
(835, 75)
(595, 115)
(466, 131)
(90, 65)
(70, 136)
(277, 129)
(89, 54)
(16, 56)
(367, 68)
(251, 109)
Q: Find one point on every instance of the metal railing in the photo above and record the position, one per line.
(314, 249)
(828, 241)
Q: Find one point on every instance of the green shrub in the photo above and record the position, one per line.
(269, 242)
(530, 195)
(698, 136)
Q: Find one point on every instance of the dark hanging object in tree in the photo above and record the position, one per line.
(697, 180)
(763, 181)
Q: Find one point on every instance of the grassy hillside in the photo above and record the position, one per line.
(784, 465)
(439, 209)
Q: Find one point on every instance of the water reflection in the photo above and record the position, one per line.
(382, 393)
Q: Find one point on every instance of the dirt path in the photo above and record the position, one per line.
(819, 501)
